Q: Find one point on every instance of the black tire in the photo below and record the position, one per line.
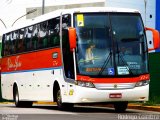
(27, 104)
(19, 103)
(16, 97)
(120, 107)
(60, 105)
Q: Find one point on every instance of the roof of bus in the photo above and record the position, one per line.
(57, 13)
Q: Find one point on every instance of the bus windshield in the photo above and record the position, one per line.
(110, 44)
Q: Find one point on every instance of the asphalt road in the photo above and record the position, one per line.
(48, 112)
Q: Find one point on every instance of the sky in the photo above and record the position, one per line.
(10, 10)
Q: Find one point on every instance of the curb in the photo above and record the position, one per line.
(141, 107)
(130, 106)
(137, 107)
(45, 103)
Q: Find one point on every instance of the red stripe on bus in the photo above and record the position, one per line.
(33, 60)
(113, 80)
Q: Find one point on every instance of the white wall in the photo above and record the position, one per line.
(10, 10)
(147, 8)
(139, 5)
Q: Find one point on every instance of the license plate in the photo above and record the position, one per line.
(115, 95)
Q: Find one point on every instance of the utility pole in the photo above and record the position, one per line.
(43, 4)
(145, 5)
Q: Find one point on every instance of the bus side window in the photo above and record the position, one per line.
(27, 37)
(9, 43)
(6, 45)
(43, 37)
(5, 48)
(3, 41)
(53, 32)
(14, 41)
(35, 37)
(50, 32)
(20, 41)
(13, 49)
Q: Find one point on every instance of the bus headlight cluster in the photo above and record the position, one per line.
(142, 83)
(85, 84)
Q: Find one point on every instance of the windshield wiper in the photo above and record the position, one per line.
(105, 63)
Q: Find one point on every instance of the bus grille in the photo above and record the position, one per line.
(114, 86)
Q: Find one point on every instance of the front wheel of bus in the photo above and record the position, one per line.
(120, 107)
(63, 106)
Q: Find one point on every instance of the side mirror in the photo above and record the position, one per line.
(72, 38)
(156, 37)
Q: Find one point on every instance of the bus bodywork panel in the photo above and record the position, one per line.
(35, 86)
(32, 61)
(31, 71)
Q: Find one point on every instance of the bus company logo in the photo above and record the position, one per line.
(13, 64)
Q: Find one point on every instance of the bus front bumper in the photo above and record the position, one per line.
(93, 95)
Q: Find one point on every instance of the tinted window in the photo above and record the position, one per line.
(28, 35)
(20, 41)
(39, 36)
(6, 44)
(35, 37)
(53, 32)
(43, 35)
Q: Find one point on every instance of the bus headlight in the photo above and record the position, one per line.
(142, 83)
(85, 84)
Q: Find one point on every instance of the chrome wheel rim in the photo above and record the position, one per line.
(16, 98)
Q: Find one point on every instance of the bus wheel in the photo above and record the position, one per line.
(63, 106)
(120, 107)
(20, 103)
(16, 97)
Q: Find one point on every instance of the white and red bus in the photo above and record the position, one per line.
(82, 55)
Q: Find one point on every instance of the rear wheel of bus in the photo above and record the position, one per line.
(120, 107)
(60, 105)
(19, 103)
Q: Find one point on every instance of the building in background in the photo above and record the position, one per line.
(65, 5)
